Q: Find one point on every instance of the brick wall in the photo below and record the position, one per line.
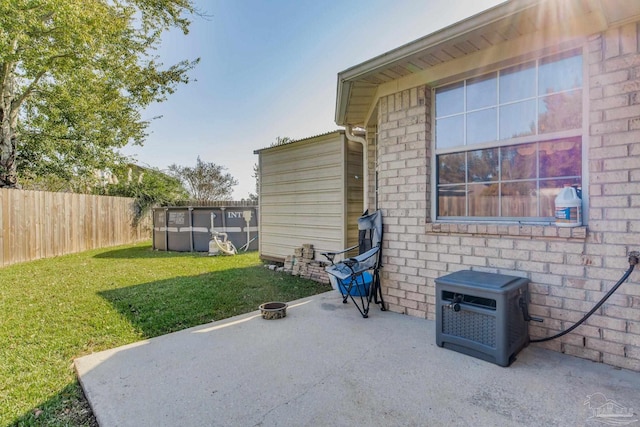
(613, 336)
(403, 180)
(570, 268)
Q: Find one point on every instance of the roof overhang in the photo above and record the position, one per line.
(505, 25)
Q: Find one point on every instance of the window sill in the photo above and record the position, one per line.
(511, 230)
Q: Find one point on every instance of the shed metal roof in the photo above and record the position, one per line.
(337, 132)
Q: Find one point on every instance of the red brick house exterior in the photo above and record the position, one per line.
(521, 84)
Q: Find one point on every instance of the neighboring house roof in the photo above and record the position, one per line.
(336, 132)
(423, 60)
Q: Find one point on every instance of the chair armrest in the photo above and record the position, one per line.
(350, 262)
(331, 255)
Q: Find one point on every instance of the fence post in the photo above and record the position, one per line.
(191, 228)
(166, 229)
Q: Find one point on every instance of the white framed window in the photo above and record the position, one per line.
(507, 142)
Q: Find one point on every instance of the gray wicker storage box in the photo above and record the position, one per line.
(479, 314)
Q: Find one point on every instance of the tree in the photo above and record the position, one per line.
(74, 77)
(254, 197)
(281, 140)
(150, 187)
(206, 181)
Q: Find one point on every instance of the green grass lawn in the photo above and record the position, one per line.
(55, 310)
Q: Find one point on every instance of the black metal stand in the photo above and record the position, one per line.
(374, 293)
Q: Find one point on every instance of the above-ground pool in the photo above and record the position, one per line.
(188, 229)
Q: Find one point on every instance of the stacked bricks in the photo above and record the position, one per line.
(303, 264)
(314, 270)
(289, 263)
(570, 269)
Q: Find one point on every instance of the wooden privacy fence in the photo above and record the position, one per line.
(38, 224)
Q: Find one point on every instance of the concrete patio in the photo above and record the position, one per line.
(324, 365)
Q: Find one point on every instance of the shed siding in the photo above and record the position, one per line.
(303, 187)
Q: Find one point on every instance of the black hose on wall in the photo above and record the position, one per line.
(633, 260)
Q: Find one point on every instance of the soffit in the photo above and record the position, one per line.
(500, 25)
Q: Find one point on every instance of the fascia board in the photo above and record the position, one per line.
(457, 29)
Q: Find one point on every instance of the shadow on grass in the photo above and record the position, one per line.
(67, 408)
(164, 306)
(170, 305)
(145, 251)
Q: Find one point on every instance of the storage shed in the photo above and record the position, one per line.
(310, 193)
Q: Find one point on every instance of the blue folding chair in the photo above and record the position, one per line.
(358, 277)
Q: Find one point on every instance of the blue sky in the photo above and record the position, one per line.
(269, 68)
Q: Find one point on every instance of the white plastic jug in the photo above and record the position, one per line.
(568, 208)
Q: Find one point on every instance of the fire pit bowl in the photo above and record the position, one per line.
(273, 310)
